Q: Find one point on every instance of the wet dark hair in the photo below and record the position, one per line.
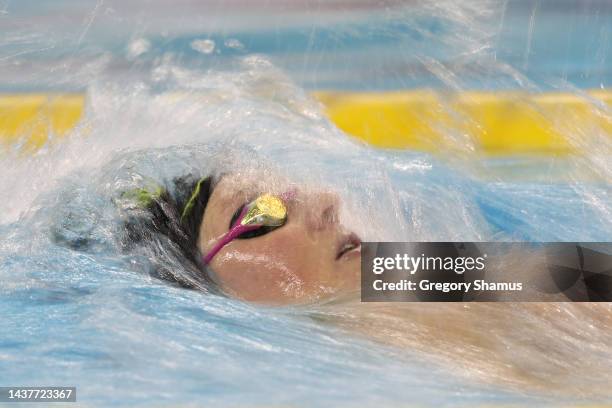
(164, 226)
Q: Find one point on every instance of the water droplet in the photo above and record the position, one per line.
(203, 46)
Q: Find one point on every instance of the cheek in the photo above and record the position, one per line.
(270, 271)
(280, 267)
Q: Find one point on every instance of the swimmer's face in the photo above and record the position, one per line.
(308, 258)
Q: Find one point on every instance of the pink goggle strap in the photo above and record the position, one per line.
(229, 236)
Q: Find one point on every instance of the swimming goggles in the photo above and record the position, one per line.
(265, 212)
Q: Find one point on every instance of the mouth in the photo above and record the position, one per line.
(348, 245)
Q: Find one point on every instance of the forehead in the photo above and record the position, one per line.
(231, 186)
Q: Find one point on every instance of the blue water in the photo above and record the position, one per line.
(126, 340)
(92, 319)
(76, 310)
(479, 44)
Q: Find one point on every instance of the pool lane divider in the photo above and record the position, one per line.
(494, 123)
(33, 118)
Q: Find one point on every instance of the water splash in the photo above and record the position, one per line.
(156, 109)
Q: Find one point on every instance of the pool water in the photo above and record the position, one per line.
(182, 91)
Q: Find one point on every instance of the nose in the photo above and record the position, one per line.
(322, 211)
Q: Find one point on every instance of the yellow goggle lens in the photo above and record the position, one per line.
(266, 210)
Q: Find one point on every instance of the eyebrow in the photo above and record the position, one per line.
(225, 201)
(232, 196)
(242, 193)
